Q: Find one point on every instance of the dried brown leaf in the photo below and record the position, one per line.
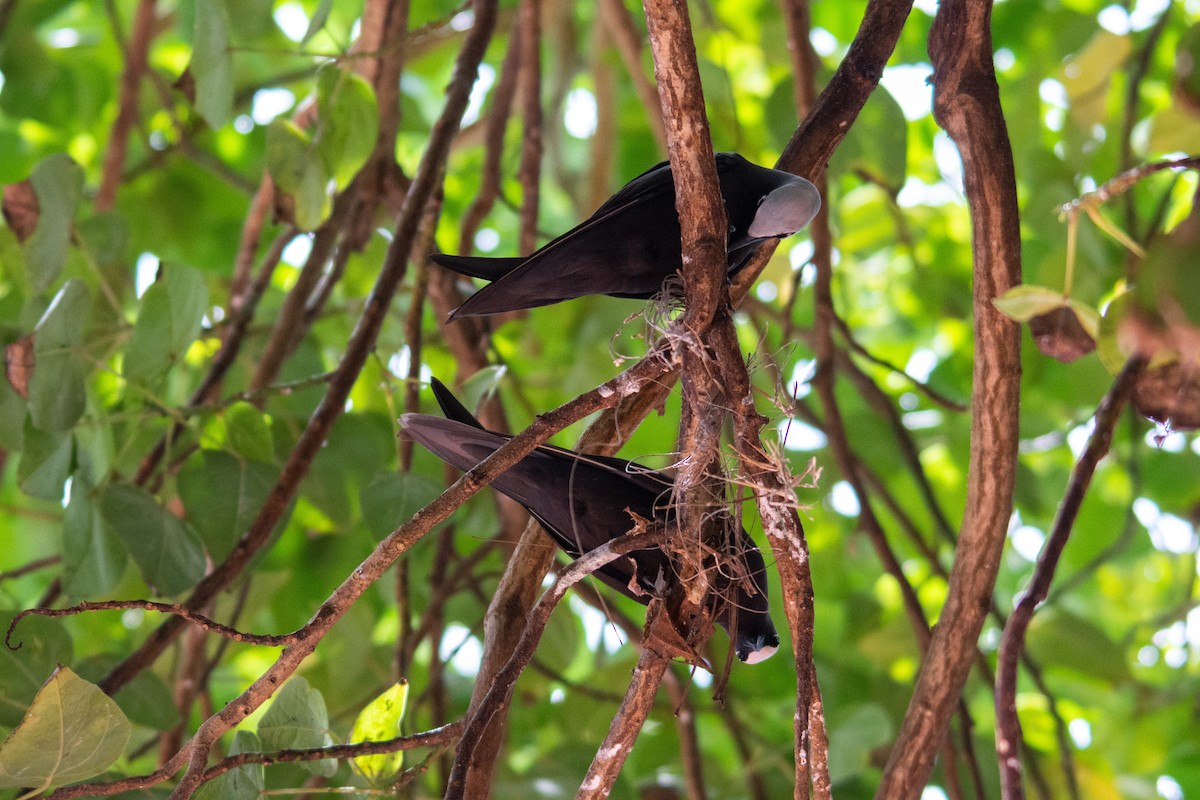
(18, 364)
(21, 209)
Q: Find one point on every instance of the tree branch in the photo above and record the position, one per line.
(358, 348)
(1008, 726)
(529, 84)
(127, 108)
(703, 226)
(500, 688)
(967, 105)
(626, 725)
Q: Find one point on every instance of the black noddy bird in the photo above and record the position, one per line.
(584, 501)
(632, 243)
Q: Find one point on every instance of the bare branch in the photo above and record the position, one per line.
(438, 736)
(493, 149)
(267, 640)
(500, 688)
(529, 84)
(621, 27)
(127, 108)
(626, 725)
(967, 105)
(358, 348)
(703, 232)
(32, 566)
(1008, 726)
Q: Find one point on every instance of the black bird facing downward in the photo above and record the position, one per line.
(581, 501)
(632, 243)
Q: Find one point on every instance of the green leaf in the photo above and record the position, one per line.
(240, 783)
(379, 721)
(349, 122)
(1166, 285)
(57, 395)
(13, 262)
(169, 321)
(481, 386)
(72, 731)
(248, 432)
(392, 498)
(1064, 640)
(1086, 75)
(294, 166)
(850, 743)
(105, 237)
(877, 144)
(297, 720)
(1173, 130)
(166, 550)
(319, 18)
(12, 418)
(212, 63)
(1088, 318)
(145, 700)
(42, 644)
(289, 152)
(58, 183)
(45, 463)
(1108, 344)
(1023, 303)
(93, 559)
(222, 496)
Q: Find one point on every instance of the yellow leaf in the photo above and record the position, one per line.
(379, 721)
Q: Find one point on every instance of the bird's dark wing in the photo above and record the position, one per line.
(625, 249)
(653, 180)
(490, 269)
(647, 479)
(581, 504)
(631, 243)
(584, 501)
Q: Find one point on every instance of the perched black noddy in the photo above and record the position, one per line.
(632, 243)
(581, 501)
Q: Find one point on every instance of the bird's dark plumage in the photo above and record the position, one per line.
(632, 243)
(581, 501)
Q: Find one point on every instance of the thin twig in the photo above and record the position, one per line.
(690, 756)
(626, 725)
(127, 106)
(500, 689)
(621, 27)
(529, 85)
(175, 609)
(361, 344)
(441, 735)
(32, 566)
(493, 143)
(1008, 726)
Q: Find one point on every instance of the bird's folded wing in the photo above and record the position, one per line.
(489, 269)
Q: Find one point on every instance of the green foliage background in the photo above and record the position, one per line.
(116, 363)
